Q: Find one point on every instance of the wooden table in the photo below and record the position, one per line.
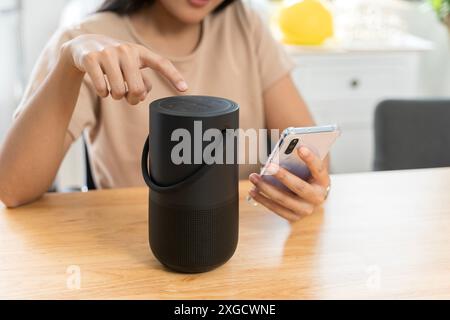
(380, 235)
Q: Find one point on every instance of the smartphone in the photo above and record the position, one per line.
(317, 139)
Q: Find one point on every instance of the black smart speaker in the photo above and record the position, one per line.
(193, 203)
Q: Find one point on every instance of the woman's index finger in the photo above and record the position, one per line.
(164, 66)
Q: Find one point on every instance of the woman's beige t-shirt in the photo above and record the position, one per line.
(236, 58)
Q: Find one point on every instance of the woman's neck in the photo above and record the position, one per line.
(164, 32)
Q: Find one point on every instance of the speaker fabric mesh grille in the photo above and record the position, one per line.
(194, 240)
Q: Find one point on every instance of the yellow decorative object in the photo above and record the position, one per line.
(307, 22)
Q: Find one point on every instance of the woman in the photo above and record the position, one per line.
(102, 74)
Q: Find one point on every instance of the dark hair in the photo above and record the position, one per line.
(124, 7)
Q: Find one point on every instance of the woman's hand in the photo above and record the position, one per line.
(122, 64)
(305, 195)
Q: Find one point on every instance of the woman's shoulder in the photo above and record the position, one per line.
(101, 23)
(106, 23)
(238, 16)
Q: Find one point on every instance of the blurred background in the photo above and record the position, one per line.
(349, 58)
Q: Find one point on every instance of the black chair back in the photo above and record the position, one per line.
(411, 134)
(90, 184)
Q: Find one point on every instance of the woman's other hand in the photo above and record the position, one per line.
(115, 67)
(303, 196)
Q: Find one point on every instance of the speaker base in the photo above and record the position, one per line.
(191, 270)
(191, 240)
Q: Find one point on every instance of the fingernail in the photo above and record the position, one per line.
(182, 86)
(252, 192)
(251, 200)
(304, 151)
(254, 178)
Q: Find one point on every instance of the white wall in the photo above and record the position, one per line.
(421, 20)
(40, 20)
(10, 78)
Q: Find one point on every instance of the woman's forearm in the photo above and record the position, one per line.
(35, 145)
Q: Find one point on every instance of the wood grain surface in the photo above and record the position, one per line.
(380, 235)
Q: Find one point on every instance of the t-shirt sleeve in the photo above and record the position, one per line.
(274, 63)
(84, 112)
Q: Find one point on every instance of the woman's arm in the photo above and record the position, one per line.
(284, 107)
(38, 140)
(35, 145)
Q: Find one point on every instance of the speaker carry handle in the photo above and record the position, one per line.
(184, 182)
